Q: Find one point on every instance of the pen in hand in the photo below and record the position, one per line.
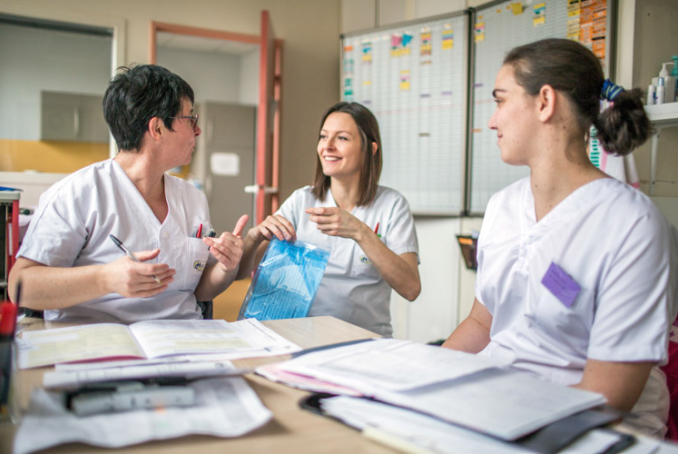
(130, 255)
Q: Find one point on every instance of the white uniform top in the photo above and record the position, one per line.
(71, 228)
(352, 289)
(617, 247)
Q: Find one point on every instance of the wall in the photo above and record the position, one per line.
(249, 86)
(32, 60)
(213, 76)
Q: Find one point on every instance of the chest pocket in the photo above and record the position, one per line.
(361, 266)
(193, 261)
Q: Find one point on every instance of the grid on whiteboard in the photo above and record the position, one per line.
(413, 78)
(496, 30)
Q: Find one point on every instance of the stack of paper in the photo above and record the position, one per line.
(456, 387)
(415, 432)
(226, 407)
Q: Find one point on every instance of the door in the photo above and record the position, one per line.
(263, 182)
(226, 146)
(266, 120)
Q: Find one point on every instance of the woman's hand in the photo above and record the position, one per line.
(228, 247)
(137, 279)
(334, 221)
(273, 226)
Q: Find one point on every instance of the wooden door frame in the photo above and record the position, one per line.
(156, 27)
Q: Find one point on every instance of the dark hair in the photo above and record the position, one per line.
(572, 69)
(137, 94)
(370, 171)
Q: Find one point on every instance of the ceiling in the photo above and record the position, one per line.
(220, 46)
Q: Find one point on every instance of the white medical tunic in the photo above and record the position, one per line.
(75, 217)
(616, 246)
(352, 289)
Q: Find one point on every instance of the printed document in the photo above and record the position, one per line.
(456, 387)
(387, 364)
(226, 407)
(149, 339)
(435, 436)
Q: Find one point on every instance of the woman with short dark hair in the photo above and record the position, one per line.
(368, 228)
(577, 272)
(68, 264)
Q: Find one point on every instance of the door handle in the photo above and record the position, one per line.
(253, 189)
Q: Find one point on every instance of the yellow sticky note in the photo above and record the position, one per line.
(448, 44)
(538, 21)
(405, 85)
(517, 8)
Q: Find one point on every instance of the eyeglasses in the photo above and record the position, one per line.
(194, 120)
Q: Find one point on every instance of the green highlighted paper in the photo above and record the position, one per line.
(286, 281)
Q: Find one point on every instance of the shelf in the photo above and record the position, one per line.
(663, 115)
(8, 196)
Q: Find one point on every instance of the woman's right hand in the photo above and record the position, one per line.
(273, 226)
(137, 279)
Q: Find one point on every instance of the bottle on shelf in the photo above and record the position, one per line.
(669, 84)
(661, 90)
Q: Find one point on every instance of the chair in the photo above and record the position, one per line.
(671, 372)
(206, 308)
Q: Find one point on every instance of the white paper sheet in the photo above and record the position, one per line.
(389, 364)
(61, 379)
(505, 404)
(437, 436)
(226, 407)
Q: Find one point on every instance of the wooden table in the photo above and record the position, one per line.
(291, 430)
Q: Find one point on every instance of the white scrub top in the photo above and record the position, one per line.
(75, 217)
(616, 246)
(352, 289)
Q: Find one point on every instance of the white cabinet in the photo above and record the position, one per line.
(72, 117)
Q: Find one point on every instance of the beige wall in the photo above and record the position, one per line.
(309, 28)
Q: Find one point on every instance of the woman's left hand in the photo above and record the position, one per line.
(228, 247)
(334, 221)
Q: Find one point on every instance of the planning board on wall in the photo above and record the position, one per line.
(497, 28)
(429, 83)
(413, 77)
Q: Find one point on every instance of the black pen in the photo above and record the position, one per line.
(130, 255)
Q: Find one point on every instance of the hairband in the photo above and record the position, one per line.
(610, 90)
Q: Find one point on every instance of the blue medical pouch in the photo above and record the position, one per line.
(286, 281)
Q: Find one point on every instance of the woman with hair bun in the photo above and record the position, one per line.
(577, 272)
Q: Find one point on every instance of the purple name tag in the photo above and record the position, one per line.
(561, 284)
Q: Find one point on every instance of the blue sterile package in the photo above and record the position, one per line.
(286, 281)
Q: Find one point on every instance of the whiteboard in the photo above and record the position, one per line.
(497, 28)
(413, 77)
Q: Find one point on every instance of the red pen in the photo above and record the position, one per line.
(197, 235)
(376, 229)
